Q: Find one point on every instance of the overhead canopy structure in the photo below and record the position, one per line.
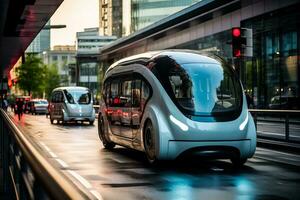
(20, 22)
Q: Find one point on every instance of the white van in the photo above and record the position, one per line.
(71, 104)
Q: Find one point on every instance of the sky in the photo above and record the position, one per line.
(76, 15)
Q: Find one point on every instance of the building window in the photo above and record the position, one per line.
(54, 58)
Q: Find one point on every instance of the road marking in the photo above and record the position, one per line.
(62, 163)
(283, 153)
(272, 133)
(96, 194)
(53, 155)
(82, 180)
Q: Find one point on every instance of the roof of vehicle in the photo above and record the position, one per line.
(179, 55)
(70, 88)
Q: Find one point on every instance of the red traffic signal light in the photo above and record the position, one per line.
(236, 42)
(236, 32)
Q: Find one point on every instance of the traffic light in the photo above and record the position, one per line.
(236, 42)
(241, 42)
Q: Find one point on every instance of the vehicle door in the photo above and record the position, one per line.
(125, 106)
(140, 94)
(57, 104)
(52, 104)
(113, 107)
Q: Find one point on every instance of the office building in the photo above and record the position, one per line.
(88, 44)
(63, 56)
(41, 42)
(271, 76)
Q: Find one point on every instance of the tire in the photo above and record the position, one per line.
(91, 122)
(106, 143)
(150, 143)
(238, 162)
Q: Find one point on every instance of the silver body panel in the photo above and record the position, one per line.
(65, 111)
(172, 138)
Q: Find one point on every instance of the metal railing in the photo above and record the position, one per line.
(279, 116)
(27, 174)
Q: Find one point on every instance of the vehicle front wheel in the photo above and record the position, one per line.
(101, 131)
(150, 142)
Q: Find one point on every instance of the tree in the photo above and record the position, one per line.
(31, 75)
(52, 80)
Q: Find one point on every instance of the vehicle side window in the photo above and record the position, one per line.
(125, 98)
(60, 97)
(136, 93)
(106, 91)
(69, 97)
(53, 97)
(145, 94)
(114, 98)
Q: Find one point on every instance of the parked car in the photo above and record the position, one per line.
(285, 102)
(39, 106)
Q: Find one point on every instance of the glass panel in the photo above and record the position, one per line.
(136, 93)
(202, 89)
(81, 97)
(145, 95)
(126, 94)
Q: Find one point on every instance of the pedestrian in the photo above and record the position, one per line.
(5, 104)
(20, 104)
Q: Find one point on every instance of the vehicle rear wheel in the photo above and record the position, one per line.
(149, 143)
(101, 127)
(238, 162)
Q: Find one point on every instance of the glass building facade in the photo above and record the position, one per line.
(146, 12)
(41, 42)
(272, 76)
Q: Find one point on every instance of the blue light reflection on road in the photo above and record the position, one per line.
(182, 187)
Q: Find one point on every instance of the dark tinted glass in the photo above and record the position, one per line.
(78, 96)
(202, 89)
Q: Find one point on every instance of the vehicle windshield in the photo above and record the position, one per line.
(78, 96)
(41, 102)
(203, 89)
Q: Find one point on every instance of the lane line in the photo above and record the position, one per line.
(96, 194)
(82, 180)
(277, 161)
(272, 133)
(53, 155)
(62, 163)
(283, 153)
(45, 146)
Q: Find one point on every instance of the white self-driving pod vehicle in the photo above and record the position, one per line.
(71, 104)
(172, 103)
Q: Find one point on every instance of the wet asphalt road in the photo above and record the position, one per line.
(124, 174)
